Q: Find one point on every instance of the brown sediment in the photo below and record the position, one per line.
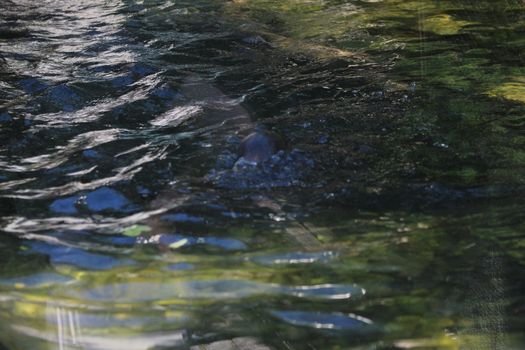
(289, 44)
(315, 50)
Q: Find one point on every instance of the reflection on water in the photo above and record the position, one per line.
(324, 321)
(392, 219)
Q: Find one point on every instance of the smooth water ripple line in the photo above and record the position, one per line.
(321, 320)
(328, 291)
(176, 116)
(82, 172)
(209, 289)
(293, 258)
(15, 183)
(177, 241)
(25, 226)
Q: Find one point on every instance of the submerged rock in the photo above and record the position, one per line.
(259, 146)
(282, 169)
(65, 205)
(242, 343)
(5, 118)
(61, 98)
(329, 321)
(106, 198)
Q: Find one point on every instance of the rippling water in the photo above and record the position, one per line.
(393, 218)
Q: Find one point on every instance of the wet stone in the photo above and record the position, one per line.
(13, 124)
(332, 321)
(61, 98)
(65, 205)
(226, 160)
(120, 240)
(105, 198)
(91, 154)
(32, 85)
(244, 343)
(62, 255)
(5, 118)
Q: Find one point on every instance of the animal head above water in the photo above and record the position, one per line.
(259, 146)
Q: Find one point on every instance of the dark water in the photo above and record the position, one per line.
(393, 219)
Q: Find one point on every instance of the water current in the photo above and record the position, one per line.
(391, 219)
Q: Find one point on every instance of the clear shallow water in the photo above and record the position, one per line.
(392, 220)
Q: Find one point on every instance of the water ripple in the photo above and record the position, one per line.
(293, 258)
(225, 289)
(320, 320)
(62, 154)
(92, 113)
(123, 173)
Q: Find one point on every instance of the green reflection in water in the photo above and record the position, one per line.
(431, 282)
(446, 278)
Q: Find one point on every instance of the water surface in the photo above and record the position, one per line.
(393, 218)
